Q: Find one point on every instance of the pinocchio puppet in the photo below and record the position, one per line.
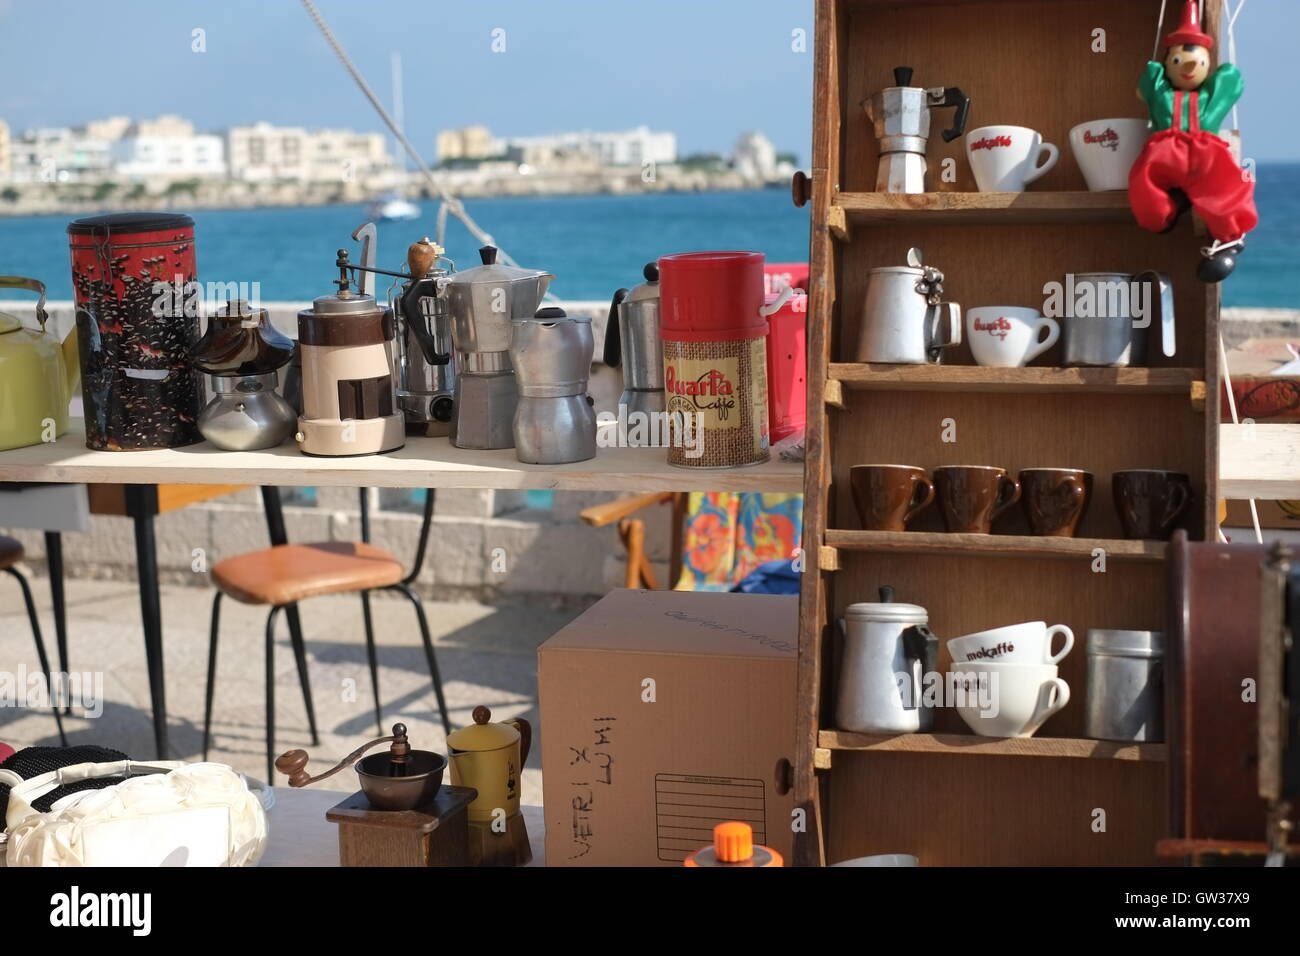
(1185, 164)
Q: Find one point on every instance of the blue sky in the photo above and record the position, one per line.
(707, 69)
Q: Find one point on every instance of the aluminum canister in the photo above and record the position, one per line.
(881, 672)
(1125, 685)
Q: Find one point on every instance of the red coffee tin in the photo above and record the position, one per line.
(133, 276)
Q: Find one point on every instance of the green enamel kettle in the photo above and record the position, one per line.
(38, 375)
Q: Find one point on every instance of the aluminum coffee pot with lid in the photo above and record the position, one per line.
(555, 421)
(483, 302)
(632, 343)
(901, 116)
(887, 651)
(905, 320)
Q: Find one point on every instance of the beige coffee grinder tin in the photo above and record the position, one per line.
(349, 385)
(714, 331)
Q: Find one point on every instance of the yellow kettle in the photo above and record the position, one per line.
(37, 375)
(490, 757)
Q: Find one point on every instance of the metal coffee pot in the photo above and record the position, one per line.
(1107, 315)
(887, 650)
(426, 375)
(555, 420)
(904, 318)
(901, 115)
(483, 302)
(241, 351)
(632, 343)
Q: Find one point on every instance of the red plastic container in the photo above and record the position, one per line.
(787, 367)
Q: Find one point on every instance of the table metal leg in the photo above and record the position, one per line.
(54, 565)
(146, 556)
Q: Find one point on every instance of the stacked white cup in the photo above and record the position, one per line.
(1008, 677)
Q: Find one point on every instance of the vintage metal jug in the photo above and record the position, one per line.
(887, 651)
(901, 116)
(1108, 314)
(904, 318)
(38, 375)
(632, 342)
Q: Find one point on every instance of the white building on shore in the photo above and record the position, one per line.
(58, 155)
(264, 152)
(754, 156)
(167, 147)
(633, 147)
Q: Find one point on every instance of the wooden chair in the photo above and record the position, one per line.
(631, 531)
(11, 552)
(284, 574)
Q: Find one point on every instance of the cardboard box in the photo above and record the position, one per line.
(663, 713)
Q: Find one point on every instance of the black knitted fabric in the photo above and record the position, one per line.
(34, 761)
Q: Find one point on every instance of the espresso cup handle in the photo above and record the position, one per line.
(1058, 695)
(1053, 333)
(1053, 154)
(926, 486)
(1065, 649)
(1008, 495)
(1180, 497)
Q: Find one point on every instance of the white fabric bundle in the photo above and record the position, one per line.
(164, 814)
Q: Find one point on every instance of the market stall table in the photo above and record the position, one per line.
(301, 836)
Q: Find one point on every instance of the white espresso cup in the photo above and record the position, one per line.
(1006, 159)
(1008, 700)
(1007, 336)
(1028, 643)
(1106, 150)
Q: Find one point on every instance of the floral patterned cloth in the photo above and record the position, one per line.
(727, 535)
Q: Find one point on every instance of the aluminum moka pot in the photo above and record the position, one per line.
(904, 318)
(555, 421)
(483, 302)
(1104, 323)
(632, 342)
(901, 116)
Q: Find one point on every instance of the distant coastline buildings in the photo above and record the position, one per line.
(119, 161)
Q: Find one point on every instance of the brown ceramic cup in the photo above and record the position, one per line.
(1055, 499)
(1151, 501)
(887, 497)
(971, 497)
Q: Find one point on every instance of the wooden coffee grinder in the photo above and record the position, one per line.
(403, 815)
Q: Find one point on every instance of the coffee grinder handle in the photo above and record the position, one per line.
(613, 337)
(952, 96)
(413, 316)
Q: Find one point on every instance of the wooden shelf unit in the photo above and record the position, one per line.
(869, 794)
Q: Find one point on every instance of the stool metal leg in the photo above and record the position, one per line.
(212, 672)
(54, 565)
(270, 692)
(40, 650)
(300, 659)
(414, 598)
(372, 658)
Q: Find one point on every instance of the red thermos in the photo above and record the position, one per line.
(714, 329)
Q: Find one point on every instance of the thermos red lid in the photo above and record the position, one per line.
(711, 295)
(119, 222)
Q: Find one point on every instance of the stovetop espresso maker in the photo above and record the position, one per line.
(901, 115)
(483, 302)
(426, 373)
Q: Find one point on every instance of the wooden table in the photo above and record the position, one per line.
(301, 836)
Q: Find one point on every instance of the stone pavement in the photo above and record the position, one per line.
(487, 655)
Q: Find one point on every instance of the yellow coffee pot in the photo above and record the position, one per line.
(38, 375)
(490, 758)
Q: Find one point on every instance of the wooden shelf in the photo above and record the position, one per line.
(971, 208)
(975, 378)
(971, 745)
(423, 463)
(993, 545)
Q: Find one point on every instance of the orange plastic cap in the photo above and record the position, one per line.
(733, 842)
